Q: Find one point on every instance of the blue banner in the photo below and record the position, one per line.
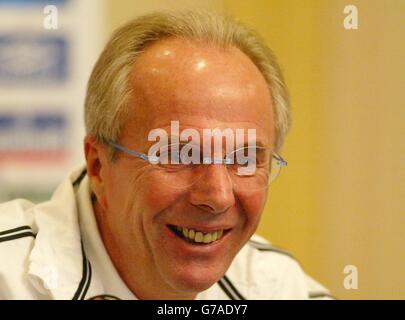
(33, 59)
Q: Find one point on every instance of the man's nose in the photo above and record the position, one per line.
(213, 191)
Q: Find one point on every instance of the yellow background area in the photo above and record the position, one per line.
(341, 200)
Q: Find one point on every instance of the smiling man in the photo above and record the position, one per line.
(127, 227)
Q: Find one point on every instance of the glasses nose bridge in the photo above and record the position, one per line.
(222, 156)
(220, 168)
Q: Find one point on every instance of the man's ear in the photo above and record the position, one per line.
(96, 158)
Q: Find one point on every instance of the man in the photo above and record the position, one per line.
(138, 223)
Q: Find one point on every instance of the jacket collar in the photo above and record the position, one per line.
(56, 260)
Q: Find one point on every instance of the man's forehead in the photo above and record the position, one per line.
(202, 85)
(188, 53)
(178, 67)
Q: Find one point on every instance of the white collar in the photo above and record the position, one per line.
(55, 261)
(95, 249)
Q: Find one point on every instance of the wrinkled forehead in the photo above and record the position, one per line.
(200, 86)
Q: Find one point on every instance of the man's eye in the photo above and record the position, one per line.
(170, 154)
(164, 155)
(164, 158)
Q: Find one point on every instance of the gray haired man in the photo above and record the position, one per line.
(126, 227)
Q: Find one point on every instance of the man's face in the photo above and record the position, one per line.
(202, 87)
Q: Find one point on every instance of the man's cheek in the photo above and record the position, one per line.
(157, 195)
(253, 204)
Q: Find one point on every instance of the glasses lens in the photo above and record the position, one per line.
(257, 173)
(178, 165)
(275, 167)
(250, 168)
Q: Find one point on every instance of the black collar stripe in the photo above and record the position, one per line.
(17, 236)
(82, 282)
(80, 178)
(88, 281)
(2, 233)
(225, 289)
(104, 297)
(317, 295)
(268, 247)
(262, 245)
(234, 290)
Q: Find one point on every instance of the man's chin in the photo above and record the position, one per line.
(194, 280)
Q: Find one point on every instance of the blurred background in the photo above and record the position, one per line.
(341, 200)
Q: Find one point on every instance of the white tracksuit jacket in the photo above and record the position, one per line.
(53, 250)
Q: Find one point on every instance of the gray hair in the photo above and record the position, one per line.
(108, 91)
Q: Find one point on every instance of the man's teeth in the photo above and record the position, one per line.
(200, 237)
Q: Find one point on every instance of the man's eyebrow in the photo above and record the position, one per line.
(176, 139)
(252, 144)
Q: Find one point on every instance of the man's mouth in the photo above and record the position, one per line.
(196, 236)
